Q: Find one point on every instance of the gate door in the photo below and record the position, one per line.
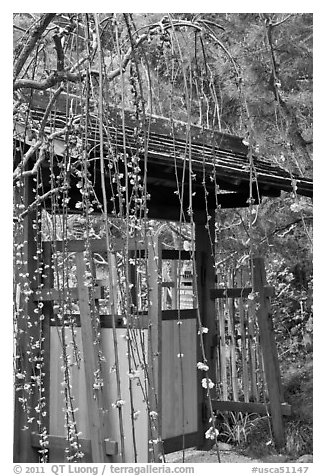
(179, 392)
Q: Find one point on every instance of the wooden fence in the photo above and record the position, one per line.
(246, 361)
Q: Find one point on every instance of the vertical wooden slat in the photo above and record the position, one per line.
(90, 352)
(252, 352)
(243, 281)
(221, 324)
(266, 336)
(233, 357)
(133, 279)
(205, 267)
(175, 279)
(245, 377)
(48, 314)
(23, 451)
(155, 345)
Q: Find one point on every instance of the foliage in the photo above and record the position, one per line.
(237, 426)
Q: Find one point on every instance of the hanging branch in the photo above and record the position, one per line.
(34, 36)
(110, 254)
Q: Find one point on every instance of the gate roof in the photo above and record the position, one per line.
(219, 159)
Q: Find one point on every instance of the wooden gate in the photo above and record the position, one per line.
(161, 398)
(180, 409)
(246, 361)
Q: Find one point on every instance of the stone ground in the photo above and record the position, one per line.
(228, 454)
(195, 456)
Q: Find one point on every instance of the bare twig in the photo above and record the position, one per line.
(40, 199)
(35, 35)
(60, 54)
(282, 21)
(38, 144)
(50, 81)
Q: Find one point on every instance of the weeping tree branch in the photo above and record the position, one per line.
(35, 35)
(42, 144)
(68, 75)
(54, 78)
(40, 199)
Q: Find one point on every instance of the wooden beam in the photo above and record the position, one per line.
(47, 294)
(248, 407)
(98, 245)
(90, 352)
(48, 281)
(28, 331)
(136, 322)
(268, 350)
(179, 314)
(176, 443)
(155, 347)
(224, 293)
(205, 268)
(61, 443)
(176, 254)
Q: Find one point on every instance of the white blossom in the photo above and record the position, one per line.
(211, 433)
(201, 366)
(208, 381)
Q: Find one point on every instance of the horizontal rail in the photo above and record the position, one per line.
(177, 254)
(140, 322)
(269, 291)
(100, 245)
(179, 314)
(64, 294)
(61, 443)
(248, 407)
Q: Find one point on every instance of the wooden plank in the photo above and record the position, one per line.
(179, 314)
(138, 322)
(252, 351)
(62, 344)
(90, 351)
(60, 443)
(23, 451)
(248, 407)
(139, 401)
(232, 343)
(245, 374)
(179, 405)
(182, 255)
(48, 282)
(175, 273)
(168, 284)
(222, 348)
(48, 294)
(266, 336)
(238, 292)
(176, 443)
(99, 245)
(155, 347)
(205, 268)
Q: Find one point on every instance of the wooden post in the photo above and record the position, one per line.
(252, 351)
(28, 330)
(268, 348)
(155, 348)
(48, 281)
(232, 345)
(245, 377)
(222, 348)
(205, 266)
(90, 354)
